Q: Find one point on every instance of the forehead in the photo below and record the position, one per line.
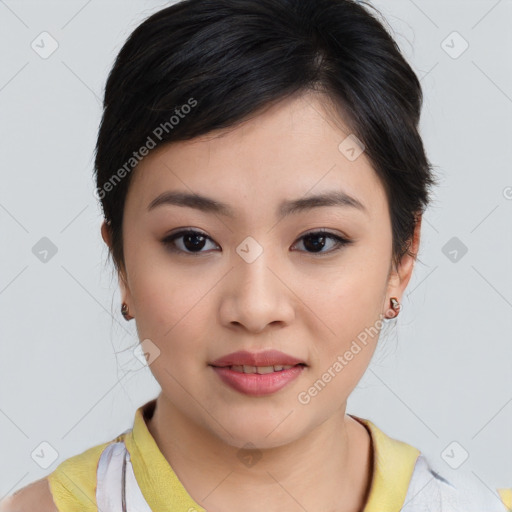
(291, 149)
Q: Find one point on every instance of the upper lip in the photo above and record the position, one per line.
(265, 358)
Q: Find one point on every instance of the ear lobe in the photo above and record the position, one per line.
(400, 277)
(105, 233)
(125, 294)
(407, 267)
(123, 285)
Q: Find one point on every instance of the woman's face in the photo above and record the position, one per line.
(250, 280)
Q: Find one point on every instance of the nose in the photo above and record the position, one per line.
(256, 295)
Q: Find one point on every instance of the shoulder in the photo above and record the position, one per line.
(455, 492)
(73, 482)
(35, 496)
(70, 487)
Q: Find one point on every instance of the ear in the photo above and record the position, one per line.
(121, 275)
(105, 234)
(399, 278)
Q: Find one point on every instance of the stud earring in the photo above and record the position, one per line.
(396, 306)
(124, 312)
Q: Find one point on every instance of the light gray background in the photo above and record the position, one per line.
(443, 374)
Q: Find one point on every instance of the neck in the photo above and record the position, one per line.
(329, 468)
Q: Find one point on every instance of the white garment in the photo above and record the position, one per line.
(116, 482)
(430, 492)
(427, 491)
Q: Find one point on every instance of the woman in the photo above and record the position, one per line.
(263, 181)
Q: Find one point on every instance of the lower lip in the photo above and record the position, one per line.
(255, 384)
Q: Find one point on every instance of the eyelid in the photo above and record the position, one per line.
(341, 241)
(184, 231)
(169, 238)
(316, 231)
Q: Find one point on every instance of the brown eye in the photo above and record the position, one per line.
(193, 242)
(188, 242)
(316, 241)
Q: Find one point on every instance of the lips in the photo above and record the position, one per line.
(257, 359)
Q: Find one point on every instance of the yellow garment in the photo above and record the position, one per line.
(506, 497)
(73, 482)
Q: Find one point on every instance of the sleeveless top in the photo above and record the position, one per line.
(130, 473)
(118, 491)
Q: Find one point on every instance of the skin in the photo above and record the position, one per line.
(35, 496)
(196, 308)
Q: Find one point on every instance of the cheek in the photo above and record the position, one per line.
(168, 310)
(342, 354)
(352, 293)
(168, 302)
(350, 307)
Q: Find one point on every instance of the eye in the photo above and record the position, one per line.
(192, 241)
(316, 241)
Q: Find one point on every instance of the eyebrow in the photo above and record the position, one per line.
(287, 207)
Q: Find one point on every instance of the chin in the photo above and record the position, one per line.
(262, 431)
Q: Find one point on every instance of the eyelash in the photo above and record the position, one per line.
(169, 241)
